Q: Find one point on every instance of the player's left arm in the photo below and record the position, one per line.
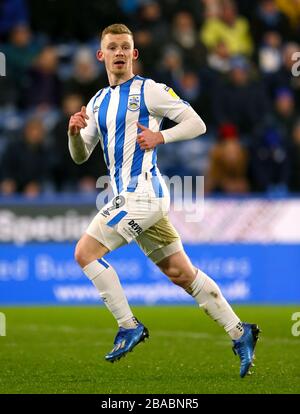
(162, 101)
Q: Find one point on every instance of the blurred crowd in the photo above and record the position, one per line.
(236, 62)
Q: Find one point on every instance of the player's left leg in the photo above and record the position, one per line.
(208, 295)
(204, 290)
(161, 243)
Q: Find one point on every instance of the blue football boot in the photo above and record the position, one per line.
(244, 347)
(126, 340)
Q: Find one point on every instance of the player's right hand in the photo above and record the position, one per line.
(78, 121)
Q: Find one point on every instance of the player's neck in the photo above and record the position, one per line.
(118, 80)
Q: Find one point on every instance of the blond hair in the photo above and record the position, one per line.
(117, 28)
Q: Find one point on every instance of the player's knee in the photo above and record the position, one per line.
(175, 274)
(78, 254)
(82, 257)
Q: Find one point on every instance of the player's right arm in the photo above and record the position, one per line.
(82, 133)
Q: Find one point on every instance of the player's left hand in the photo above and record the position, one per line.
(148, 139)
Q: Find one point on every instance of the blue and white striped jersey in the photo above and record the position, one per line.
(113, 113)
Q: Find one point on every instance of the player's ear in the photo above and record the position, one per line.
(135, 54)
(100, 55)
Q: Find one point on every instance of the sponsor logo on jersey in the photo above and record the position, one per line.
(136, 227)
(95, 109)
(134, 102)
(171, 92)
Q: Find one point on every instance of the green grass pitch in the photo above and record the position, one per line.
(61, 350)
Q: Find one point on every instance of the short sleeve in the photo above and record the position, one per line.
(90, 133)
(162, 101)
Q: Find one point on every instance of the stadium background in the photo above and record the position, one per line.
(233, 61)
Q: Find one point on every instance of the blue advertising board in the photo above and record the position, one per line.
(46, 273)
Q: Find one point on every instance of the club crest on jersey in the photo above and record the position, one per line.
(134, 102)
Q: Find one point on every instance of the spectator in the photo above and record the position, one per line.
(20, 53)
(67, 175)
(270, 53)
(239, 99)
(230, 28)
(269, 18)
(218, 59)
(184, 35)
(151, 20)
(85, 79)
(228, 164)
(192, 89)
(270, 61)
(151, 34)
(170, 68)
(269, 167)
(271, 145)
(43, 87)
(12, 13)
(284, 113)
(25, 166)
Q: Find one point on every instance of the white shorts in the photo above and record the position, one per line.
(138, 216)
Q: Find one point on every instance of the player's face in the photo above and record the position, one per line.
(117, 52)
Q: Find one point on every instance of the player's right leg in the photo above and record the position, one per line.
(89, 254)
(116, 224)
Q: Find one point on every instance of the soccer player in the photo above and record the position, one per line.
(126, 117)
